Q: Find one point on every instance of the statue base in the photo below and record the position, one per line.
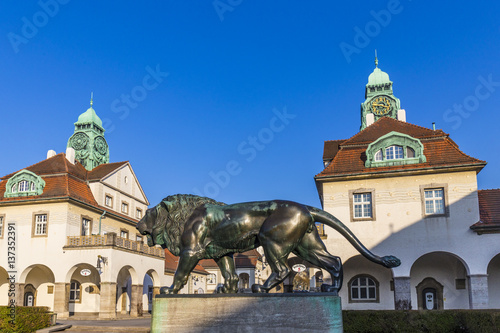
(297, 312)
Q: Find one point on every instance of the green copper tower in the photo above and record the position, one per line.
(379, 98)
(91, 149)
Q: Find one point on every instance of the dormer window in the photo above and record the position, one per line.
(394, 149)
(24, 183)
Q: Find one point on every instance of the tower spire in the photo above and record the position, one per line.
(376, 60)
(92, 98)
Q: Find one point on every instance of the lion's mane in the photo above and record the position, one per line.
(172, 214)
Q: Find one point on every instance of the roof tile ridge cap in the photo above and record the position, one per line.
(461, 152)
(336, 140)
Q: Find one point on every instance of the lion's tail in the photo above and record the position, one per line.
(331, 221)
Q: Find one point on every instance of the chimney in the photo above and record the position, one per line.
(51, 153)
(402, 115)
(70, 155)
(370, 119)
(433, 126)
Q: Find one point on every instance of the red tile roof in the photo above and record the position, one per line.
(489, 211)
(245, 259)
(439, 150)
(63, 179)
(103, 170)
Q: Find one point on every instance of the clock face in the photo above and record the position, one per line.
(381, 105)
(79, 141)
(100, 145)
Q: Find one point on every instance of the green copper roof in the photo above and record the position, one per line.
(89, 117)
(378, 77)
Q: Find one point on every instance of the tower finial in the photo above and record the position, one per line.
(376, 60)
(91, 98)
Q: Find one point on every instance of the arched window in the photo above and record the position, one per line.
(394, 152)
(378, 156)
(23, 186)
(363, 288)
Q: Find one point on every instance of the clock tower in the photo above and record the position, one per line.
(91, 149)
(379, 98)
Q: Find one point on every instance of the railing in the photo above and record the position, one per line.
(111, 239)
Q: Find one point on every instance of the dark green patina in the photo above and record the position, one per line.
(196, 228)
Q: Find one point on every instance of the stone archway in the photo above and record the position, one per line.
(41, 279)
(150, 288)
(83, 287)
(4, 287)
(445, 275)
(429, 294)
(127, 293)
(494, 283)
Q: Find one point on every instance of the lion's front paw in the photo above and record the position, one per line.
(257, 289)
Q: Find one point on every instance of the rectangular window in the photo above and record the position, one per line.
(2, 217)
(138, 213)
(124, 233)
(434, 201)
(362, 205)
(138, 238)
(40, 225)
(124, 208)
(108, 200)
(86, 227)
(74, 292)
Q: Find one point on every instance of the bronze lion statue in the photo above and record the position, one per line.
(196, 228)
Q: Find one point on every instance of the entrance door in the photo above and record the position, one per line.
(430, 299)
(29, 299)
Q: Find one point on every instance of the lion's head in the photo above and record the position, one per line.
(163, 224)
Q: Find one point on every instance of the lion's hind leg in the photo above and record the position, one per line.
(313, 250)
(226, 266)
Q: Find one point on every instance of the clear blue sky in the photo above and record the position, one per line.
(230, 63)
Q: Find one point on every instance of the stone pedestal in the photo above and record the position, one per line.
(108, 300)
(304, 312)
(402, 293)
(478, 291)
(61, 300)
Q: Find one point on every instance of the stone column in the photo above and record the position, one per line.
(478, 291)
(108, 300)
(19, 294)
(136, 300)
(402, 293)
(61, 299)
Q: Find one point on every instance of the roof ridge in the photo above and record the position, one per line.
(381, 121)
(32, 165)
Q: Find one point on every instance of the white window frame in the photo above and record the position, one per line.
(379, 156)
(360, 288)
(434, 201)
(363, 199)
(24, 186)
(40, 224)
(138, 213)
(394, 152)
(430, 197)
